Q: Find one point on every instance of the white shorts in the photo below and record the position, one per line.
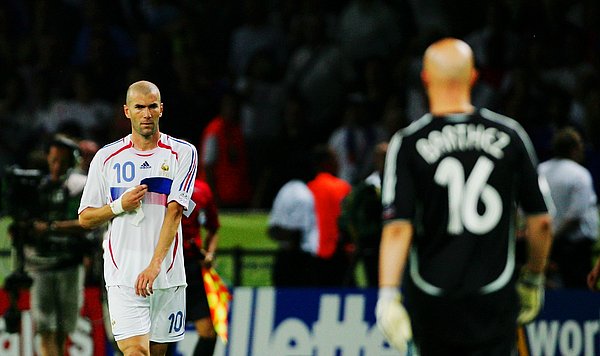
(161, 315)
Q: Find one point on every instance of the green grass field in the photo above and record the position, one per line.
(246, 231)
(243, 232)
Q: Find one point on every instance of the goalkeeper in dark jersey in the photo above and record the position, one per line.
(452, 183)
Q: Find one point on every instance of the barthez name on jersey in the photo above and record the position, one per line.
(462, 137)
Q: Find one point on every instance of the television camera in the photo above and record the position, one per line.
(19, 196)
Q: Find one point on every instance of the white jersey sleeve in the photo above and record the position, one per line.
(183, 182)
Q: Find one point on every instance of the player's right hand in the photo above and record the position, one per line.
(145, 280)
(132, 198)
(392, 319)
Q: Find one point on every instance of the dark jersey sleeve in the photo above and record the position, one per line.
(532, 194)
(398, 188)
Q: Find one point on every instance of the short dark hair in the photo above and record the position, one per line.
(564, 141)
(62, 141)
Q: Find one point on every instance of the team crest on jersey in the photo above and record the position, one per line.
(164, 167)
(145, 165)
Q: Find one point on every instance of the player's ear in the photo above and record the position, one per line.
(126, 111)
(424, 77)
(161, 110)
(474, 76)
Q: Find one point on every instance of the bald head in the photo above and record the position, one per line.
(448, 61)
(142, 87)
(448, 76)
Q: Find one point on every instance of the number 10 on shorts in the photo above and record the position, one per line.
(176, 322)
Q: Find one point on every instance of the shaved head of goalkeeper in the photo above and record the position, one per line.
(448, 76)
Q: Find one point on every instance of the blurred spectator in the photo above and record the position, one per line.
(255, 34)
(353, 141)
(224, 156)
(320, 74)
(330, 262)
(292, 223)
(6, 45)
(103, 46)
(292, 15)
(60, 20)
(191, 92)
(586, 81)
(17, 124)
(569, 62)
(375, 82)
(295, 145)
(496, 47)
(154, 54)
(361, 218)
(54, 253)
(575, 219)
(261, 120)
(393, 117)
(524, 94)
(80, 111)
(262, 100)
(495, 44)
(591, 132)
(160, 15)
(368, 28)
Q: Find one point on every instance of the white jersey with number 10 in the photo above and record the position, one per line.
(169, 171)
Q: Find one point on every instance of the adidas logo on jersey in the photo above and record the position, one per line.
(145, 165)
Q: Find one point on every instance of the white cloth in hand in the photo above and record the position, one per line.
(138, 213)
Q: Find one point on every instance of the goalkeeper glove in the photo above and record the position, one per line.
(392, 319)
(530, 288)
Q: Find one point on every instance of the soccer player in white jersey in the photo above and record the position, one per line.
(141, 184)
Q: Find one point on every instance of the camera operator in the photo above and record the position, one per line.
(54, 248)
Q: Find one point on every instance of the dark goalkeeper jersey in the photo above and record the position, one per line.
(457, 178)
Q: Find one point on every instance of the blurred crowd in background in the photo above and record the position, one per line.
(295, 73)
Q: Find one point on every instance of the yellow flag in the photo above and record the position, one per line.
(218, 301)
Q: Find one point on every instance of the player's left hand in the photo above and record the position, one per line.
(144, 281)
(530, 288)
(392, 319)
(207, 259)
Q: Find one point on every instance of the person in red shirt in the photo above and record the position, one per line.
(330, 264)
(224, 156)
(197, 254)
